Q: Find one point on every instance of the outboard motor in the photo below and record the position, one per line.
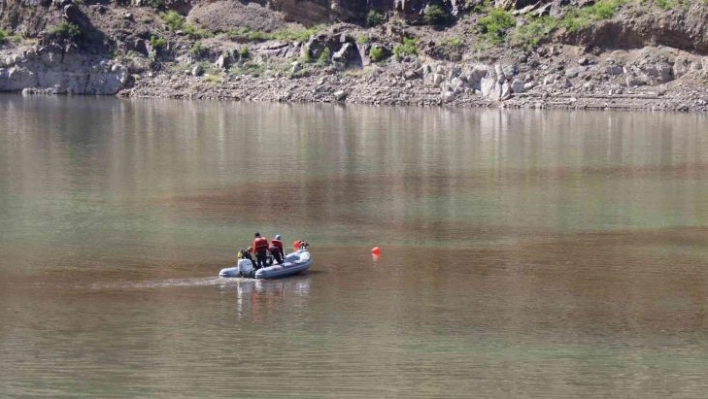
(245, 268)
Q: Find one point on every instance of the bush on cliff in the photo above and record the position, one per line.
(324, 57)
(198, 51)
(176, 22)
(407, 48)
(244, 52)
(579, 18)
(173, 20)
(377, 53)
(495, 25)
(157, 44)
(303, 35)
(3, 36)
(534, 32)
(374, 18)
(65, 31)
(435, 15)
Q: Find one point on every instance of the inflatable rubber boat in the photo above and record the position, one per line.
(294, 263)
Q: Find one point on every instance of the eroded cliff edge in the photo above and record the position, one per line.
(607, 54)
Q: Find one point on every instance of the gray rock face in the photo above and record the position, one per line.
(613, 70)
(72, 73)
(659, 73)
(223, 62)
(347, 57)
(517, 86)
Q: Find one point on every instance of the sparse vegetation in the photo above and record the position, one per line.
(374, 18)
(579, 18)
(496, 24)
(3, 36)
(325, 57)
(305, 57)
(244, 53)
(435, 15)
(377, 53)
(670, 4)
(173, 20)
(213, 79)
(455, 42)
(477, 6)
(157, 43)
(176, 22)
(157, 4)
(453, 48)
(534, 32)
(283, 34)
(407, 48)
(195, 32)
(66, 30)
(364, 38)
(198, 50)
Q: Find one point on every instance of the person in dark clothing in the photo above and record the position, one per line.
(260, 246)
(276, 249)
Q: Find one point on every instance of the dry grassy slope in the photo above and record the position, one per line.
(639, 25)
(636, 26)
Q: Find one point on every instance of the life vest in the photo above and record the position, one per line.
(261, 243)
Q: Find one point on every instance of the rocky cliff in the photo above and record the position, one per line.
(559, 53)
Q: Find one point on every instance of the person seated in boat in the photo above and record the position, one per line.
(260, 246)
(245, 266)
(276, 249)
(245, 254)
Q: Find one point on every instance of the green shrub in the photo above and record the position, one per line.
(377, 53)
(244, 52)
(495, 25)
(3, 36)
(305, 57)
(198, 50)
(374, 18)
(303, 35)
(434, 15)
(173, 20)
(325, 56)
(195, 32)
(157, 43)
(157, 4)
(363, 39)
(455, 42)
(407, 48)
(477, 6)
(669, 4)
(536, 30)
(66, 30)
(579, 18)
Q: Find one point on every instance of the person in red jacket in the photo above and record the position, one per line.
(276, 249)
(260, 248)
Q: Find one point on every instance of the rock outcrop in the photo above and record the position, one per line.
(49, 70)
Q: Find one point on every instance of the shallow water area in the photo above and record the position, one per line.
(524, 253)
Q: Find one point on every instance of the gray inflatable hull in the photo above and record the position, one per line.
(295, 263)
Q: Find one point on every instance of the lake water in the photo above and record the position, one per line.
(524, 253)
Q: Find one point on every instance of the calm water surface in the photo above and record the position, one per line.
(525, 254)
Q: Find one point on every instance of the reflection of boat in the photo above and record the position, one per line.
(294, 263)
(299, 286)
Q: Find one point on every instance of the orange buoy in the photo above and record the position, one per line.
(376, 251)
